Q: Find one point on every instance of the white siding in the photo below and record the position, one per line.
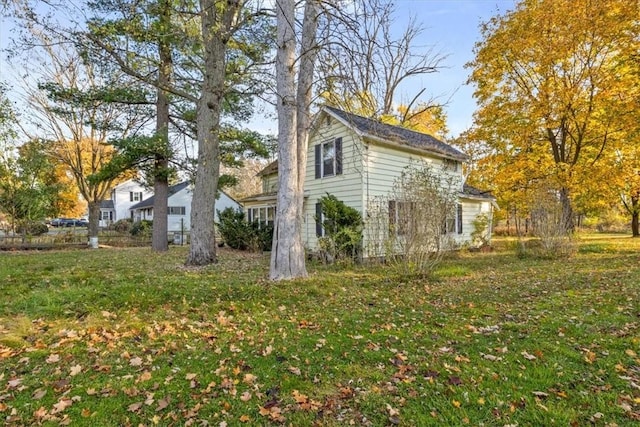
(471, 208)
(122, 199)
(347, 187)
(270, 183)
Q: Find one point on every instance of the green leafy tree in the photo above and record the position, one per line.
(28, 188)
(201, 58)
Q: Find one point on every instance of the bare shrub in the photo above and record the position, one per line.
(548, 225)
(412, 227)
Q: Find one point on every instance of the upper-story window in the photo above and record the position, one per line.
(328, 158)
(135, 196)
(450, 165)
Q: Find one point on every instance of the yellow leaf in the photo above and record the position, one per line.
(245, 419)
(630, 352)
(481, 401)
(456, 403)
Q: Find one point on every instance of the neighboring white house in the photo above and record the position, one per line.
(179, 207)
(358, 159)
(123, 196)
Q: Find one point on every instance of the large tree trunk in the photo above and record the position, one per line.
(94, 223)
(215, 31)
(567, 210)
(635, 215)
(159, 238)
(287, 255)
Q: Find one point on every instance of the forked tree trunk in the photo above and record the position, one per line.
(287, 241)
(216, 23)
(288, 255)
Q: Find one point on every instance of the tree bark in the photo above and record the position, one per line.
(159, 237)
(287, 255)
(567, 210)
(216, 26)
(94, 221)
(635, 215)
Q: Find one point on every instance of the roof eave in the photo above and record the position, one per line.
(461, 158)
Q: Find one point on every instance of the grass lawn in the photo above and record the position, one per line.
(118, 337)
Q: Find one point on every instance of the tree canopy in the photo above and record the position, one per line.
(553, 83)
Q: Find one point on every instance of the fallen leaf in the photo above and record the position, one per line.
(245, 397)
(61, 405)
(491, 357)
(453, 380)
(86, 413)
(456, 403)
(135, 361)
(249, 378)
(190, 377)
(294, 370)
(528, 356)
(75, 370)
(38, 394)
(53, 358)
(245, 419)
(145, 376)
(135, 407)
(14, 383)
(163, 403)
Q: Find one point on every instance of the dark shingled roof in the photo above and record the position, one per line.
(396, 134)
(148, 203)
(271, 168)
(106, 204)
(474, 192)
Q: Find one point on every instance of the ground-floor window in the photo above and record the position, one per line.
(176, 210)
(106, 215)
(263, 215)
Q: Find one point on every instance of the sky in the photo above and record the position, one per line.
(451, 28)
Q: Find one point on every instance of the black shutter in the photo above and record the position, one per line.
(338, 156)
(460, 218)
(318, 219)
(392, 216)
(318, 159)
(131, 196)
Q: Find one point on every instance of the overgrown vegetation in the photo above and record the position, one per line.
(411, 228)
(237, 233)
(143, 227)
(342, 227)
(554, 238)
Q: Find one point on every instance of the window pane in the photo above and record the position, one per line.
(328, 159)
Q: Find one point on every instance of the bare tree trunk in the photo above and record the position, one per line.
(216, 25)
(159, 238)
(287, 255)
(635, 215)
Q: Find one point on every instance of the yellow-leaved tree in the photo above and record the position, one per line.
(551, 81)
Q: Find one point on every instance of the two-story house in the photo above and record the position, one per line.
(123, 197)
(357, 160)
